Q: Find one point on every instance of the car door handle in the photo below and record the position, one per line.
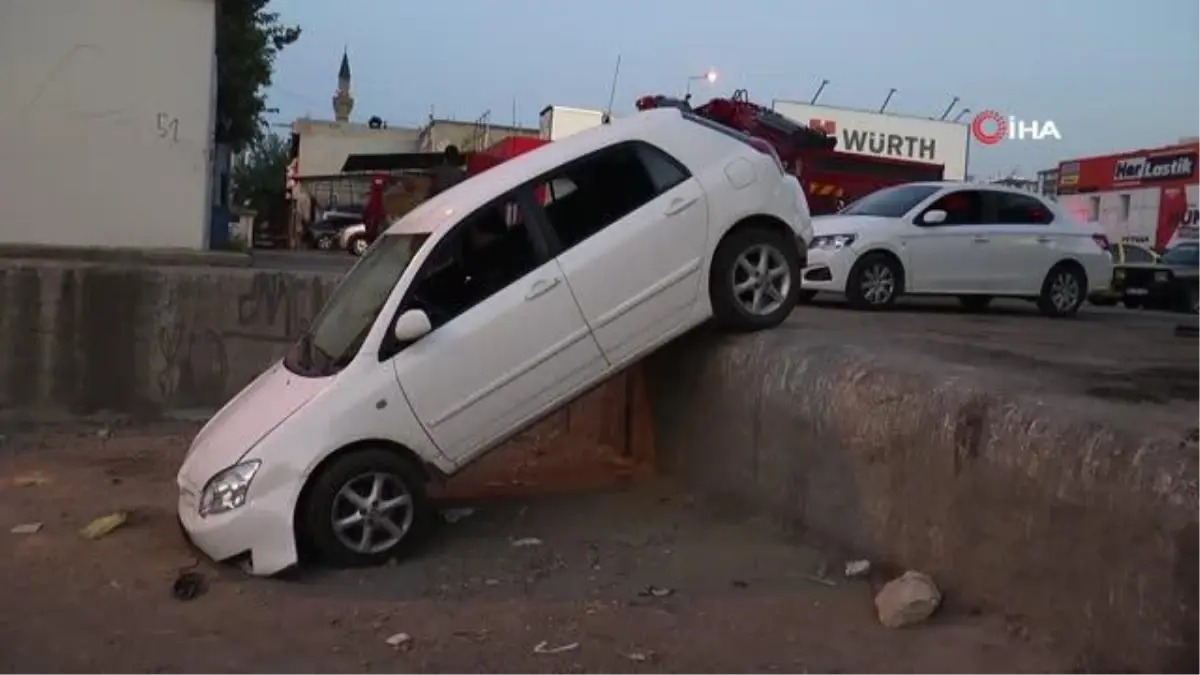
(541, 287)
(679, 205)
(981, 240)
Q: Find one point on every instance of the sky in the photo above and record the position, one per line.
(1112, 75)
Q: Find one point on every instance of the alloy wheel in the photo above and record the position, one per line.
(878, 284)
(1064, 291)
(761, 280)
(372, 512)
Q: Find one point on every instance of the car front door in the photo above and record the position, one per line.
(508, 340)
(630, 224)
(1025, 243)
(950, 256)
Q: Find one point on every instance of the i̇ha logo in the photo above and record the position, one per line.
(990, 127)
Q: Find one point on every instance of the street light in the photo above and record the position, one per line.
(710, 77)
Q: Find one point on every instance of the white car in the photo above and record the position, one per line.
(974, 241)
(484, 309)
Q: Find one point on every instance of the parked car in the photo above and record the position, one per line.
(974, 241)
(484, 309)
(1171, 283)
(326, 233)
(1122, 254)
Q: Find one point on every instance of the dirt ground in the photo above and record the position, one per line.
(641, 577)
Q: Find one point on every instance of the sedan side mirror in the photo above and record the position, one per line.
(934, 217)
(412, 325)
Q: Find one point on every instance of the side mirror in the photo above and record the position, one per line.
(412, 326)
(934, 217)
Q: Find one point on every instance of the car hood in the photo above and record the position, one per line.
(263, 405)
(835, 224)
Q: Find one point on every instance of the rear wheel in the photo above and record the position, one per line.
(755, 279)
(365, 508)
(1063, 291)
(874, 282)
(975, 303)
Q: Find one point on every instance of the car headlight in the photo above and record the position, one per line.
(833, 242)
(227, 490)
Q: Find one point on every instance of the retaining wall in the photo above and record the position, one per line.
(151, 335)
(1034, 507)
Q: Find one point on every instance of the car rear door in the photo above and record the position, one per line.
(630, 224)
(1026, 241)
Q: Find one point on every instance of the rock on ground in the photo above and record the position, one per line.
(908, 599)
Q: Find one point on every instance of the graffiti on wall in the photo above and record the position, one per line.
(276, 308)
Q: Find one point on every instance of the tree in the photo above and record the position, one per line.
(248, 40)
(259, 173)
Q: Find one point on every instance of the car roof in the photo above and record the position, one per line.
(482, 188)
(969, 185)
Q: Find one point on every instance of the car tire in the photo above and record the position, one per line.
(805, 295)
(358, 245)
(875, 281)
(344, 490)
(755, 279)
(324, 243)
(1132, 303)
(1063, 291)
(975, 303)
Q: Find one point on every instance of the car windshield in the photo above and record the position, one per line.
(1185, 255)
(890, 202)
(340, 329)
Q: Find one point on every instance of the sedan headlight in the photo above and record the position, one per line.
(832, 242)
(227, 490)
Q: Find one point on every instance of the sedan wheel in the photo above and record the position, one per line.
(874, 283)
(1062, 291)
(325, 243)
(366, 507)
(754, 281)
(359, 245)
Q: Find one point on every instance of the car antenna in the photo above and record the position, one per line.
(612, 93)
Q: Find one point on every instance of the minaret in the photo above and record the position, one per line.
(343, 102)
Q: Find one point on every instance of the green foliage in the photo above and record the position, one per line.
(248, 40)
(259, 174)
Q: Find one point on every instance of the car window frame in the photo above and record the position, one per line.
(987, 211)
(1150, 258)
(992, 212)
(523, 195)
(539, 215)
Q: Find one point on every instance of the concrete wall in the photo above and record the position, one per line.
(106, 122)
(1036, 507)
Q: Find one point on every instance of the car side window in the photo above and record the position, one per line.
(1014, 209)
(487, 251)
(665, 171)
(589, 195)
(1137, 255)
(964, 207)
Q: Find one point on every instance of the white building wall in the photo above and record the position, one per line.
(324, 146)
(106, 122)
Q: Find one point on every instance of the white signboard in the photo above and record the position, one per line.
(883, 135)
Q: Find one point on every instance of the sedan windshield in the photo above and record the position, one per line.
(890, 202)
(1184, 255)
(340, 329)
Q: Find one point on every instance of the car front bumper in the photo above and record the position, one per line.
(828, 269)
(262, 528)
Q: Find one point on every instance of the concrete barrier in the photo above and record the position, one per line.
(1036, 507)
(143, 335)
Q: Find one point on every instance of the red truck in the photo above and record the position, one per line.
(830, 178)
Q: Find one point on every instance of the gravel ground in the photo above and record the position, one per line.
(642, 578)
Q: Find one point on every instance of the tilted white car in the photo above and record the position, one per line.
(973, 241)
(481, 311)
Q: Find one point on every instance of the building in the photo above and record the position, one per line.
(886, 135)
(1048, 183)
(106, 123)
(556, 122)
(1144, 197)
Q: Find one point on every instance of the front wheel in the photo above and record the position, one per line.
(874, 282)
(366, 508)
(358, 244)
(755, 279)
(1063, 291)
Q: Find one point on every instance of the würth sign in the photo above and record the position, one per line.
(878, 143)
